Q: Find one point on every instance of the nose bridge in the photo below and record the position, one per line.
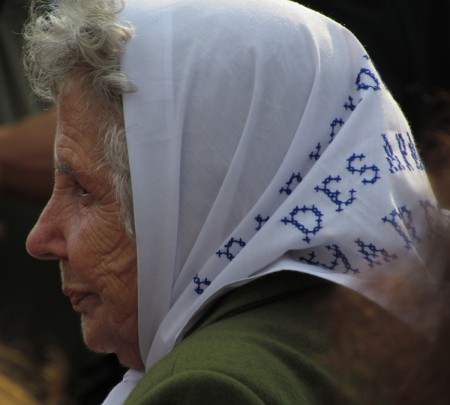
(46, 239)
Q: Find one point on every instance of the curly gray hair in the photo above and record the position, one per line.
(85, 34)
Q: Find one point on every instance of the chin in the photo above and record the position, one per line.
(96, 335)
(101, 338)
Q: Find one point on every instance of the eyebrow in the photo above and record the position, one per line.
(65, 168)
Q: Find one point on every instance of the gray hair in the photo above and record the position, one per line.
(85, 34)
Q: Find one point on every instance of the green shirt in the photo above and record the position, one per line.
(285, 339)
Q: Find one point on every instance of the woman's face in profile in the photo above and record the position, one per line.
(81, 226)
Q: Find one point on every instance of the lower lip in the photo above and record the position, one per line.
(76, 299)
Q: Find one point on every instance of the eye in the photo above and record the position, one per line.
(85, 196)
(82, 192)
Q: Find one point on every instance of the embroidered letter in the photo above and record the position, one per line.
(367, 80)
(310, 259)
(315, 155)
(414, 154)
(287, 189)
(334, 195)
(405, 216)
(261, 221)
(394, 162)
(403, 151)
(334, 124)
(371, 252)
(337, 256)
(350, 105)
(300, 226)
(230, 256)
(363, 169)
(199, 290)
(435, 220)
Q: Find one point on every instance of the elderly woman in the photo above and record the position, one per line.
(235, 191)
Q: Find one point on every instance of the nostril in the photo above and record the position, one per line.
(47, 256)
(41, 255)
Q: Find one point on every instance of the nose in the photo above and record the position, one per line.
(46, 240)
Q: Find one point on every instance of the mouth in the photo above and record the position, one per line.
(76, 298)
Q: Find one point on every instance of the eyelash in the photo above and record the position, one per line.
(81, 190)
(84, 194)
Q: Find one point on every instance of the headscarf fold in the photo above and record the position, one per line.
(261, 138)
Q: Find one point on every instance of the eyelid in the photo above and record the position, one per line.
(82, 190)
(85, 196)
(67, 170)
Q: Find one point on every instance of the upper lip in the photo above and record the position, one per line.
(75, 296)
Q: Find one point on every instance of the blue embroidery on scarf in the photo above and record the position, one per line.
(414, 154)
(334, 195)
(334, 131)
(230, 256)
(371, 252)
(394, 162)
(434, 219)
(287, 189)
(403, 151)
(366, 57)
(427, 207)
(261, 221)
(395, 165)
(301, 227)
(405, 216)
(363, 169)
(367, 80)
(337, 122)
(310, 259)
(316, 154)
(205, 282)
(350, 105)
(338, 256)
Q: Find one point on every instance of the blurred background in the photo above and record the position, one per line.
(37, 323)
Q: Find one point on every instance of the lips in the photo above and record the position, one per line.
(76, 298)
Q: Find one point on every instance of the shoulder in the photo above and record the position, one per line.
(245, 350)
(272, 342)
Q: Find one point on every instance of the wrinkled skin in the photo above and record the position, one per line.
(81, 227)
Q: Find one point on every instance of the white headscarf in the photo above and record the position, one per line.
(261, 139)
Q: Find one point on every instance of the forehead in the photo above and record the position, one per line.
(80, 120)
(79, 98)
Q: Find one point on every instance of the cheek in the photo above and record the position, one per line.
(99, 240)
(110, 319)
(117, 276)
(119, 296)
(111, 328)
(110, 323)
